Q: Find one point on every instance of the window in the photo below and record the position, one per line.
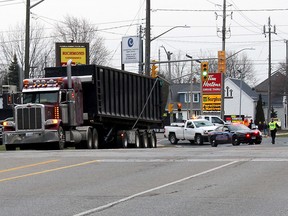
(187, 97)
(196, 98)
(217, 120)
(41, 97)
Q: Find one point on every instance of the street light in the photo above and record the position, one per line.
(241, 78)
(191, 86)
(27, 36)
(169, 63)
(149, 40)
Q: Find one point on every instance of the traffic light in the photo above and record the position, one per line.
(179, 106)
(154, 70)
(204, 71)
(170, 107)
(221, 62)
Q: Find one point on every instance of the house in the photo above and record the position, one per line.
(181, 93)
(237, 93)
(278, 96)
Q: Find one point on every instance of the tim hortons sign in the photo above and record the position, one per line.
(213, 84)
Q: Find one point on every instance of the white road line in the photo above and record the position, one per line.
(100, 208)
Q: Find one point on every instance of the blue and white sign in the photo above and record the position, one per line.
(130, 49)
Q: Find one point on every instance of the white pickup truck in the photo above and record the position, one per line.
(194, 130)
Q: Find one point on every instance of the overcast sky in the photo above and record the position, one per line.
(116, 19)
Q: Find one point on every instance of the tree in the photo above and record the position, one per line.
(259, 116)
(13, 43)
(81, 31)
(273, 113)
(234, 64)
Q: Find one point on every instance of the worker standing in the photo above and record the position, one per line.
(273, 129)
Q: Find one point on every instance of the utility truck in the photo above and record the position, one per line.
(88, 107)
(194, 130)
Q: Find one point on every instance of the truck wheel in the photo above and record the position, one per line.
(198, 139)
(144, 140)
(61, 143)
(95, 139)
(10, 147)
(87, 144)
(137, 140)
(173, 139)
(152, 140)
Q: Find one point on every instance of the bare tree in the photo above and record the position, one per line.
(241, 63)
(13, 43)
(81, 31)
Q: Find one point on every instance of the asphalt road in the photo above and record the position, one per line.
(171, 180)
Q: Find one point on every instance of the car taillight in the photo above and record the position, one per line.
(256, 132)
(247, 135)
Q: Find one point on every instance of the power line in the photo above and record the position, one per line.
(211, 10)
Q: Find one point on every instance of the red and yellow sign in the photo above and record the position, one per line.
(211, 103)
(77, 54)
(213, 83)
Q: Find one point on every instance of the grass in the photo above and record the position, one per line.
(2, 148)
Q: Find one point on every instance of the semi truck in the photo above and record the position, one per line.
(87, 107)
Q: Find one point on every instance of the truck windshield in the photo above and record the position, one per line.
(40, 97)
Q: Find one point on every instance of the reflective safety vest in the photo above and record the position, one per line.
(272, 125)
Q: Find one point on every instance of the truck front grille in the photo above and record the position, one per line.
(28, 118)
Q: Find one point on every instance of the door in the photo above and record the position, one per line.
(189, 131)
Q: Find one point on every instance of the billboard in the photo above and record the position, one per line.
(211, 103)
(77, 52)
(131, 49)
(213, 84)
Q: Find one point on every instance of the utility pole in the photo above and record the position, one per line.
(269, 66)
(223, 49)
(140, 67)
(27, 36)
(148, 39)
(286, 93)
(27, 40)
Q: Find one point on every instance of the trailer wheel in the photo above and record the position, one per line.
(61, 143)
(144, 140)
(95, 139)
(122, 139)
(152, 140)
(137, 140)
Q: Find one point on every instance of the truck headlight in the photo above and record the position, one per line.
(51, 122)
(8, 124)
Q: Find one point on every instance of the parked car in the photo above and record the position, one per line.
(215, 120)
(235, 134)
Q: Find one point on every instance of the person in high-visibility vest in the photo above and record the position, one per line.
(273, 129)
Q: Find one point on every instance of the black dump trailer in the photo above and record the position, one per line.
(118, 102)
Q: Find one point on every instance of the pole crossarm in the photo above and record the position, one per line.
(36, 4)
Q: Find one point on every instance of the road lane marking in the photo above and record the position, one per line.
(47, 171)
(27, 166)
(100, 208)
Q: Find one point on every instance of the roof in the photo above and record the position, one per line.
(278, 87)
(245, 88)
